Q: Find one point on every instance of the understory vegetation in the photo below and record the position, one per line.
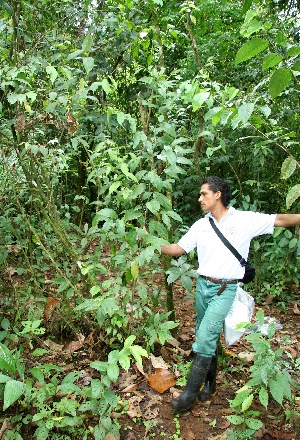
(111, 115)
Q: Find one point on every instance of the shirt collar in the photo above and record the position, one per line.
(231, 210)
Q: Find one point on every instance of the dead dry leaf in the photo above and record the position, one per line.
(51, 304)
(158, 362)
(291, 350)
(246, 355)
(10, 271)
(296, 310)
(161, 380)
(13, 249)
(189, 435)
(140, 369)
(110, 436)
(72, 347)
(53, 346)
(224, 425)
(130, 436)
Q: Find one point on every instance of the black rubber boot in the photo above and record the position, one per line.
(209, 389)
(196, 379)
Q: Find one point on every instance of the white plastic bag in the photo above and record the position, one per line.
(241, 311)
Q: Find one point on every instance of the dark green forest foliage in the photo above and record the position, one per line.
(112, 113)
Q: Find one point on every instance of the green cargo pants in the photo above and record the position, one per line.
(211, 311)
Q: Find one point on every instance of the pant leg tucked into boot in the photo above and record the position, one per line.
(195, 381)
(209, 389)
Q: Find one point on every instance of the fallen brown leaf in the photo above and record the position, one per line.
(73, 346)
(296, 310)
(161, 380)
(51, 303)
(189, 435)
(224, 425)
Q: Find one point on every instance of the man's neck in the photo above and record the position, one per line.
(219, 213)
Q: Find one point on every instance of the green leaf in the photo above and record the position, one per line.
(245, 111)
(293, 51)
(134, 270)
(235, 420)
(87, 43)
(163, 200)
(124, 169)
(137, 352)
(73, 55)
(114, 186)
(7, 361)
(276, 390)
(250, 49)
(271, 60)
(113, 372)
(296, 66)
(52, 72)
(155, 180)
(4, 378)
(88, 64)
(41, 433)
(104, 214)
(199, 99)
(13, 390)
(253, 423)
(124, 361)
(129, 341)
(251, 26)
(293, 243)
(186, 282)
(99, 366)
(288, 167)
(146, 255)
(106, 86)
(279, 81)
(293, 195)
(247, 402)
(264, 397)
(97, 388)
(153, 206)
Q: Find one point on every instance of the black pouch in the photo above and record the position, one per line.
(249, 273)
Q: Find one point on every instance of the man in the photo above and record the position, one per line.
(219, 273)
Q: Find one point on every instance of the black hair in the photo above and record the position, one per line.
(217, 184)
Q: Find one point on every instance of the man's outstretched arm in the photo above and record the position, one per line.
(287, 220)
(173, 250)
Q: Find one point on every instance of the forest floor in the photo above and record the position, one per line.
(151, 415)
(146, 392)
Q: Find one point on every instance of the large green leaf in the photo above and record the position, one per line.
(288, 167)
(293, 51)
(245, 111)
(279, 81)
(13, 390)
(276, 390)
(293, 195)
(250, 49)
(88, 64)
(7, 361)
(271, 60)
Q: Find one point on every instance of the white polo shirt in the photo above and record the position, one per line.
(239, 227)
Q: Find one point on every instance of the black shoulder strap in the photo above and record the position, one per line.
(227, 243)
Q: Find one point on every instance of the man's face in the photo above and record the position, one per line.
(208, 199)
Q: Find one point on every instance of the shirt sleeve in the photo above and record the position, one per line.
(262, 223)
(188, 241)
